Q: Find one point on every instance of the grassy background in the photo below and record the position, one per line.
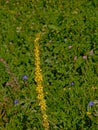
(68, 52)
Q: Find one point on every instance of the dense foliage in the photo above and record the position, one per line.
(69, 63)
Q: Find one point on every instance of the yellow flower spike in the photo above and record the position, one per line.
(46, 125)
(42, 104)
(39, 79)
(40, 96)
(43, 108)
(44, 116)
(39, 89)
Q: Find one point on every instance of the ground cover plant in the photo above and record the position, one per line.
(67, 60)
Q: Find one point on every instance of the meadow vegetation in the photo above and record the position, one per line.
(68, 56)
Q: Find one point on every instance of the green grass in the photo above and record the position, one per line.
(69, 54)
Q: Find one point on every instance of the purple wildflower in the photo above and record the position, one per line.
(72, 83)
(70, 47)
(91, 103)
(24, 77)
(16, 101)
(84, 57)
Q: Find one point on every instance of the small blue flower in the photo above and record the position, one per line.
(16, 101)
(72, 83)
(91, 103)
(24, 77)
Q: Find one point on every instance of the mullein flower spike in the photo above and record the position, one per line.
(39, 87)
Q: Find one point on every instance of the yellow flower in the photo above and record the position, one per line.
(39, 87)
(40, 96)
(46, 125)
(46, 93)
(44, 116)
(42, 103)
(88, 113)
(94, 88)
(37, 38)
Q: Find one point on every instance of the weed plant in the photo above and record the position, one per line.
(69, 64)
